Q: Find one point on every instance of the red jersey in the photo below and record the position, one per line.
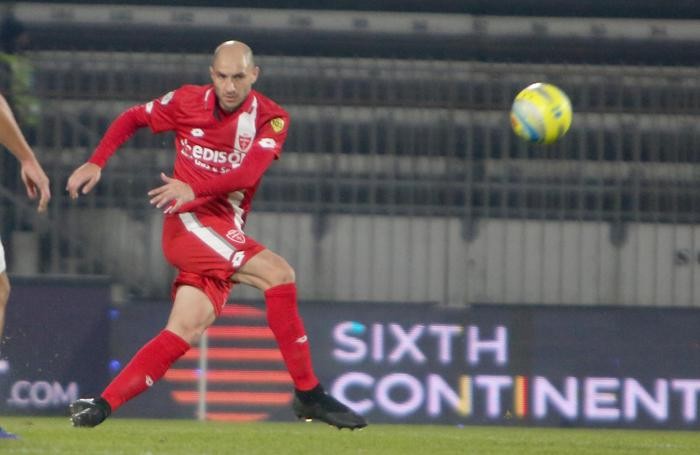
(221, 156)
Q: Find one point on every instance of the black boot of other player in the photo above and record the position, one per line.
(89, 412)
(316, 404)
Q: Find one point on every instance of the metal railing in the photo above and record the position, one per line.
(412, 153)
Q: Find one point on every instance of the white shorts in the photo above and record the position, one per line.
(2, 258)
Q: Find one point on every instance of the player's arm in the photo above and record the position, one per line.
(257, 160)
(266, 147)
(245, 176)
(33, 176)
(160, 115)
(85, 177)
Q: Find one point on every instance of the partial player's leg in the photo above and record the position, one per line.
(4, 292)
(192, 313)
(4, 298)
(272, 274)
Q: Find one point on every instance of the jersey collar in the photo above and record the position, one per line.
(213, 106)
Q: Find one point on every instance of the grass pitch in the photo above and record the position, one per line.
(41, 435)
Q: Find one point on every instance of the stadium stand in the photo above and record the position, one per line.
(415, 127)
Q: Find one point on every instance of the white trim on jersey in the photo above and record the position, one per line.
(235, 199)
(245, 129)
(207, 235)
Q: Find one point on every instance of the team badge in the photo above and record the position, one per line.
(244, 141)
(277, 124)
(235, 236)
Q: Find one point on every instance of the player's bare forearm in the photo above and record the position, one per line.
(33, 176)
(10, 134)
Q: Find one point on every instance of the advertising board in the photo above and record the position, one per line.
(422, 363)
(56, 344)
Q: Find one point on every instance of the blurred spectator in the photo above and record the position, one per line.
(17, 72)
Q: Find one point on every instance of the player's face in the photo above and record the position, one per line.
(233, 79)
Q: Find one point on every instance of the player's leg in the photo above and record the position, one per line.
(4, 291)
(272, 274)
(4, 298)
(197, 299)
(191, 314)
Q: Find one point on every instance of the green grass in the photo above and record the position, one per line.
(42, 435)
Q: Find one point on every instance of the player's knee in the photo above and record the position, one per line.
(189, 330)
(189, 333)
(192, 337)
(283, 273)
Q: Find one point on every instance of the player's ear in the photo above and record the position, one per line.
(255, 73)
(211, 72)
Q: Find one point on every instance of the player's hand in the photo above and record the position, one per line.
(173, 194)
(36, 182)
(85, 177)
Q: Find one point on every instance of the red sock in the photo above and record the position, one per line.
(288, 328)
(148, 365)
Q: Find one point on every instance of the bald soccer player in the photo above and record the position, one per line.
(37, 185)
(226, 137)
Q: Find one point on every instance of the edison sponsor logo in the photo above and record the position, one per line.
(456, 372)
(211, 159)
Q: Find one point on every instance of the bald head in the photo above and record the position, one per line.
(233, 73)
(234, 50)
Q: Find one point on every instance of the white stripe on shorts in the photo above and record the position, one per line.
(207, 235)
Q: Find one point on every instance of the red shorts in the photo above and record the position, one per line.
(207, 251)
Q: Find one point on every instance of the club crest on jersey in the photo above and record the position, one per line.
(197, 132)
(277, 124)
(244, 141)
(235, 236)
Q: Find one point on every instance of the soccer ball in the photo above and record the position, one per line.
(541, 113)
